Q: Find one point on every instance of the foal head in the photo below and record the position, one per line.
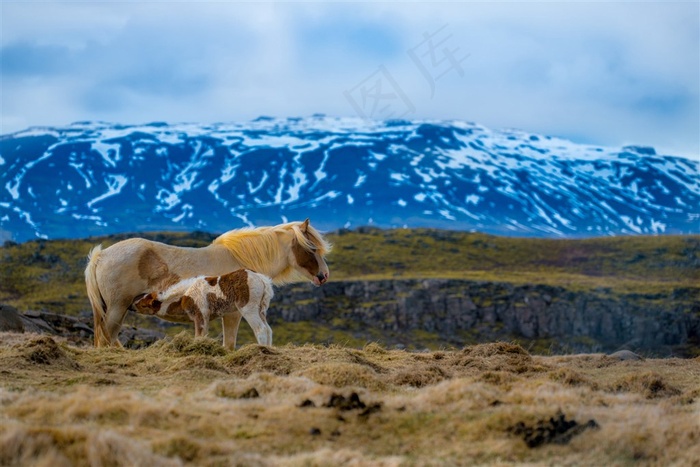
(308, 250)
(146, 304)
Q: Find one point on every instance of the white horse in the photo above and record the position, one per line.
(203, 298)
(118, 274)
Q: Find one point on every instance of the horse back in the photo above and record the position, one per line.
(135, 266)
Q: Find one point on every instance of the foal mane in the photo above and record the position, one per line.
(257, 248)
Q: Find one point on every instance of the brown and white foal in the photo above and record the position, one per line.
(201, 299)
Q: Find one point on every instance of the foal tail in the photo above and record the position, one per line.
(96, 300)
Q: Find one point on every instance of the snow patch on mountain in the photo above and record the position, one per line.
(341, 172)
(115, 183)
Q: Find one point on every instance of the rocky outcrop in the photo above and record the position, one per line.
(10, 319)
(76, 330)
(543, 317)
(457, 312)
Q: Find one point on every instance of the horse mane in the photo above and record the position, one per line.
(256, 248)
(311, 239)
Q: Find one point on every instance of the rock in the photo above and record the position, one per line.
(459, 312)
(34, 323)
(137, 338)
(644, 150)
(10, 320)
(306, 403)
(341, 402)
(78, 331)
(625, 355)
(75, 330)
(557, 430)
(251, 393)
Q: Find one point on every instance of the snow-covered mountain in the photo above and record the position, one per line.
(95, 178)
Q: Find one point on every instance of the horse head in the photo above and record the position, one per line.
(309, 249)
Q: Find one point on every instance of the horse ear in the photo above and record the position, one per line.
(305, 226)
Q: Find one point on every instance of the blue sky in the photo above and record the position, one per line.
(595, 72)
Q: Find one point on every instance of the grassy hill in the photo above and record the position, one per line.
(662, 272)
(622, 263)
(48, 274)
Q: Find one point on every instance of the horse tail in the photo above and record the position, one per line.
(99, 312)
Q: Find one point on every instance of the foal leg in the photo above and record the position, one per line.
(196, 314)
(256, 318)
(201, 325)
(230, 322)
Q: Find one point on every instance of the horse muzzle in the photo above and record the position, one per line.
(320, 279)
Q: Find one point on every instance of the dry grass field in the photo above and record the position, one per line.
(186, 401)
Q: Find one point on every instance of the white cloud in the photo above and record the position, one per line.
(609, 73)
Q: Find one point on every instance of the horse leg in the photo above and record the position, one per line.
(268, 334)
(230, 322)
(255, 316)
(113, 322)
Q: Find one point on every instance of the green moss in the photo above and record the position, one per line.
(378, 303)
(584, 340)
(305, 302)
(621, 263)
(302, 332)
(420, 339)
